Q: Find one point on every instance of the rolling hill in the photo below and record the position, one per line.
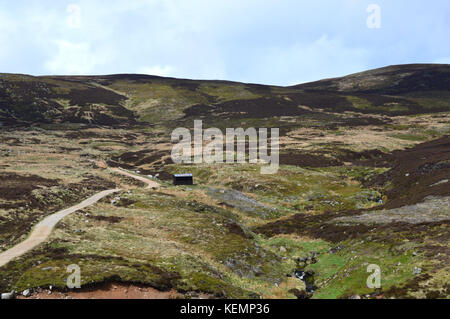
(118, 100)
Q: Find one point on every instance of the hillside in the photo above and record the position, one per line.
(409, 79)
(363, 179)
(133, 99)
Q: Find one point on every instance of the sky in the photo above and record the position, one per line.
(279, 42)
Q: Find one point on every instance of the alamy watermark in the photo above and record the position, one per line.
(74, 279)
(374, 280)
(374, 18)
(212, 146)
(74, 16)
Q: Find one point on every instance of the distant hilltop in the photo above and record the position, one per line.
(132, 99)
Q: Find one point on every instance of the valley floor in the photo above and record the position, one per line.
(235, 233)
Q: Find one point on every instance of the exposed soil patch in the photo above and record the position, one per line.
(109, 291)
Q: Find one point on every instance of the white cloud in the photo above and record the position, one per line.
(442, 60)
(305, 62)
(158, 70)
(8, 31)
(266, 41)
(75, 58)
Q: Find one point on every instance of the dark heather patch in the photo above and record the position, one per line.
(322, 100)
(94, 95)
(20, 187)
(308, 160)
(374, 158)
(394, 80)
(163, 175)
(319, 226)
(404, 290)
(234, 228)
(109, 219)
(10, 141)
(300, 294)
(413, 173)
(125, 202)
(112, 163)
(188, 85)
(140, 157)
(136, 78)
(81, 134)
(111, 116)
(147, 162)
(28, 101)
(259, 89)
(379, 104)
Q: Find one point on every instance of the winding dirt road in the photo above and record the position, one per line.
(43, 230)
(149, 182)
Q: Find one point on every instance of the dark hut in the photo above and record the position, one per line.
(183, 179)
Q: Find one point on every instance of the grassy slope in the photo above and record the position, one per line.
(195, 239)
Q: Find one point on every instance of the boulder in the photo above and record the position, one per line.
(417, 271)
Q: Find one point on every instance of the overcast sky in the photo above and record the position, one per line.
(279, 42)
